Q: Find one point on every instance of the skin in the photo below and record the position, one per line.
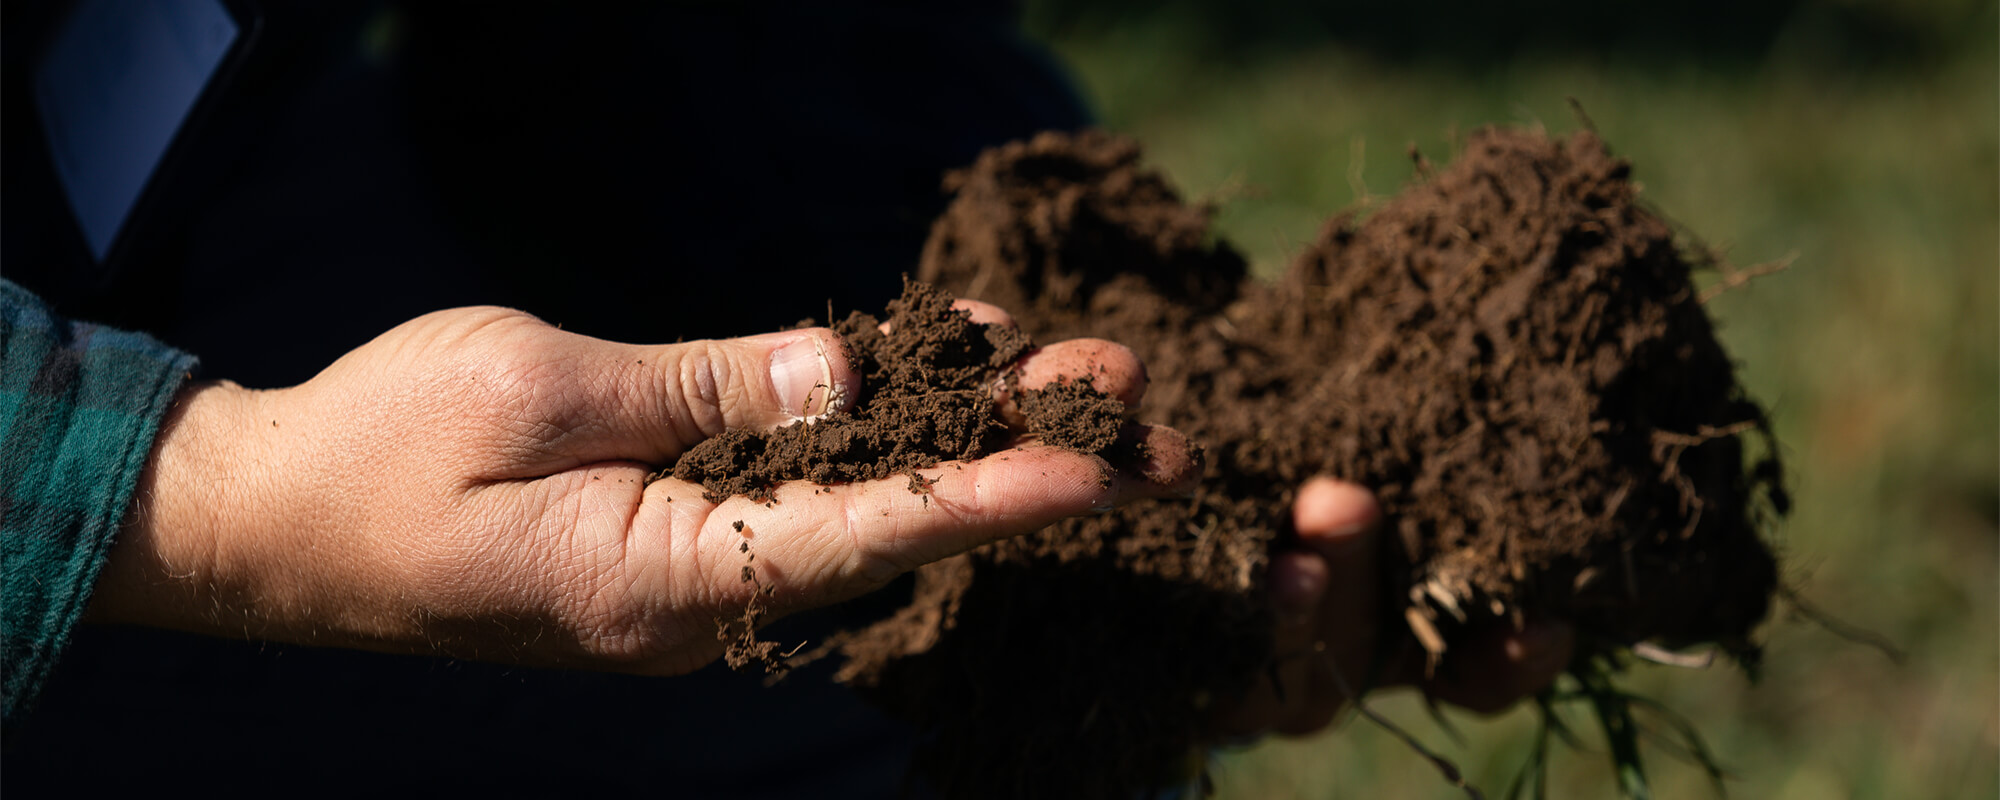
(473, 483)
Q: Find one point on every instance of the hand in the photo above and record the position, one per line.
(474, 483)
(1329, 594)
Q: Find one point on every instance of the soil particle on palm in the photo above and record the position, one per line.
(1511, 353)
(741, 647)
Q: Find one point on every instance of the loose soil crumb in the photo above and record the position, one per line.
(1511, 353)
(1073, 414)
(742, 650)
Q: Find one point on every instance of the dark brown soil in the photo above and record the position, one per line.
(927, 397)
(1510, 352)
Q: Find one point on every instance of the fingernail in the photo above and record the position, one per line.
(802, 375)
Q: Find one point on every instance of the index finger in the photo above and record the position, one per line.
(832, 543)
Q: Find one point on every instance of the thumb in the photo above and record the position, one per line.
(703, 388)
(650, 403)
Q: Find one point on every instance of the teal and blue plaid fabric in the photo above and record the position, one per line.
(79, 407)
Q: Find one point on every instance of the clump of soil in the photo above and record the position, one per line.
(1526, 372)
(1510, 352)
(927, 391)
(1047, 223)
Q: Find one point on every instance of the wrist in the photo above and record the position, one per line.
(169, 566)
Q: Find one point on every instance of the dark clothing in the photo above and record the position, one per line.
(686, 172)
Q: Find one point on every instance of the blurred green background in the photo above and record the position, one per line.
(1857, 137)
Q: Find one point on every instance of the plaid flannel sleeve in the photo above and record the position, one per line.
(79, 407)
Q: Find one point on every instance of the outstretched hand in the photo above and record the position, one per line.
(1329, 593)
(474, 483)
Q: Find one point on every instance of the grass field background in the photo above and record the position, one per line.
(1857, 139)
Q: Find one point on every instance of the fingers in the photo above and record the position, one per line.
(1338, 522)
(1111, 367)
(1487, 671)
(1172, 464)
(1325, 595)
(1341, 523)
(976, 311)
(1335, 521)
(831, 543)
(1336, 518)
(1279, 699)
(984, 313)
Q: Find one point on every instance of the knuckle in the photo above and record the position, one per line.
(874, 546)
(857, 544)
(457, 328)
(704, 374)
(844, 554)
